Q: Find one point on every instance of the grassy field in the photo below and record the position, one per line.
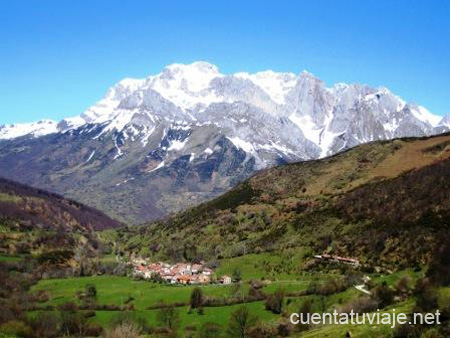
(392, 279)
(114, 290)
(10, 258)
(251, 266)
(219, 315)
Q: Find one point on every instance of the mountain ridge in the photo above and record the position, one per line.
(275, 85)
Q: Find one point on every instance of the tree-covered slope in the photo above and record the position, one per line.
(44, 228)
(385, 203)
(43, 209)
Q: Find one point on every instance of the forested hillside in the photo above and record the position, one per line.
(385, 203)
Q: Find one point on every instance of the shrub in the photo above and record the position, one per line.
(41, 296)
(360, 305)
(407, 330)
(129, 317)
(196, 298)
(403, 285)
(263, 330)
(240, 322)
(209, 330)
(305, 308)
(439, 269)
(46, 325)
(89, 314)
(236, 275)
(91, 291)
(432, 333)
(169, 317)
(383, 295)
(255, 293)
(274, 302)
(126, 329)
(304, 311)
(427, 297)
(73, 323)
(55, 257)
(16, 328)
(93, 330)
(284, 329)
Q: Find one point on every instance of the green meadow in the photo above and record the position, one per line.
(114, 290)
(219, 315)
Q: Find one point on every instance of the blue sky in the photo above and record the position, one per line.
(59, 57)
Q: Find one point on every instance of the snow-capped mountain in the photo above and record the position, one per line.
(198, 92)
(443, 125)
(190, 133)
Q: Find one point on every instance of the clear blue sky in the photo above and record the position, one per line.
(59, 57)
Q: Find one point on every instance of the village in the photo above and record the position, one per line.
(179, 273)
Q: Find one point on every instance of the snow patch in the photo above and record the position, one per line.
(144, 139)
(119, 152)
(242, 144)
(327, 141)
(159, 166)
(276, 85)
(90, 156)
(39, 128)
(74, 122)
(177, 145)
(422, 114)
(281, 148)
(308, 127)
(391, 126)
(125, 181)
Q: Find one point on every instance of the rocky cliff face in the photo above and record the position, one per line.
(161, 144)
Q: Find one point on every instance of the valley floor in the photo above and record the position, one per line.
(145, 298)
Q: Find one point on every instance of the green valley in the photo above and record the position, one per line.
(363, 230)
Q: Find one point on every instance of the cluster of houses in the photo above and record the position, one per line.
(337, 259)
(179, 273)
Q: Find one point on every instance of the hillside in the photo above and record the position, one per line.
(385, 203)
(42, 209)
(55, 231)
(44, 235)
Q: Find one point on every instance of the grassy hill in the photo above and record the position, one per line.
(385, 203)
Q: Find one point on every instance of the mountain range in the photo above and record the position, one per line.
(173, 140)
